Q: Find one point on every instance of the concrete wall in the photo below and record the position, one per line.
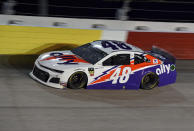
(95, 24)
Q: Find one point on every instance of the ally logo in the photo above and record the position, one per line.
(165, 69)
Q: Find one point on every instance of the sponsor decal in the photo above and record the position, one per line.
(116, 75)
(68, 59)
(91, 71)
(68, 62)
(104, 76)
(165, 69)
(155, 61)
(172, 67)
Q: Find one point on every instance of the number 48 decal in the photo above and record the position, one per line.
(123, 78)
(115, 46)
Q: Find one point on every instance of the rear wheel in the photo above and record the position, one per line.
(149, 81)
(77, 80)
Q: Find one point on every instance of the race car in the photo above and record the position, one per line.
(105, 64)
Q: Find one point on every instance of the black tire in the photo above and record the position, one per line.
(77, 80)
(149, 81)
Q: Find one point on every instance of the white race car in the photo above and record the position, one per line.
(105, 64)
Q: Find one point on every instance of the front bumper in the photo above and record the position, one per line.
(47, 77)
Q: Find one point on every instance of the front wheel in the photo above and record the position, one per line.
(77, 80)
(149, 81)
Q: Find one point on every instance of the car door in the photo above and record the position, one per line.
(114, 72)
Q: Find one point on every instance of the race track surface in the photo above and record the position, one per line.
(26, 105)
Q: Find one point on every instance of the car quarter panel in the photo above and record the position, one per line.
(165, 72)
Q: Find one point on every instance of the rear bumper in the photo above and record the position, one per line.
(168, 78)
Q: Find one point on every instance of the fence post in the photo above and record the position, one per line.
(43, 8)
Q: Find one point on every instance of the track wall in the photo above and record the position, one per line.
(35, 35)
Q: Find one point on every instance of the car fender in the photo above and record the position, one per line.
(146, 71)
(67, 73)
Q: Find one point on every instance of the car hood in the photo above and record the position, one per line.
(61, 60)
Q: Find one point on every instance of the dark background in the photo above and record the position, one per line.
(145, 10)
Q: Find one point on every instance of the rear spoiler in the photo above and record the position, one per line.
(162, 55)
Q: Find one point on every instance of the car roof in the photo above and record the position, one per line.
(110, 46)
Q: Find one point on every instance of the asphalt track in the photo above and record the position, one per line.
(26, 105)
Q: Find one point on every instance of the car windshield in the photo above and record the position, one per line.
(89, 53)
